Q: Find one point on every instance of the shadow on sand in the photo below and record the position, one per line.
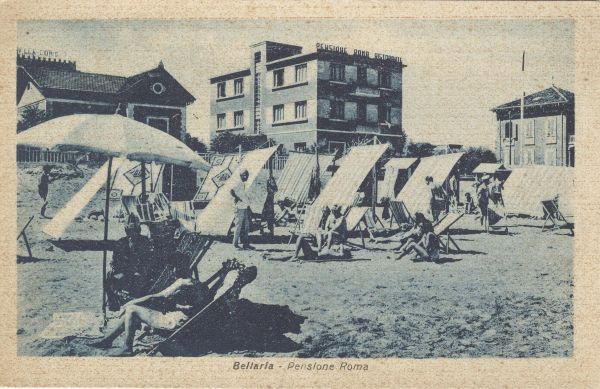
(249, 327)
(27, 259)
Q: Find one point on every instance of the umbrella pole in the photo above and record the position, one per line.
(143, 168)
(106, 209)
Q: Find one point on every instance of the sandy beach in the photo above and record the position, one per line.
(500, 296)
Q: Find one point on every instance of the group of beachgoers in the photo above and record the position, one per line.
(332, 232)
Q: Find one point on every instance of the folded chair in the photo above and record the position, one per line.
(554, 216)
(221, 298)
(442, 230)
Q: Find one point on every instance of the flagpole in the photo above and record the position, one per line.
(104, 252)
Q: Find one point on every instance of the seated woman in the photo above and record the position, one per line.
(414, 234)
(171, 307)
(132, 265)
(335, 231)
(426, 247)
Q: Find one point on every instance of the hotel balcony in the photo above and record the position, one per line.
(352, 125)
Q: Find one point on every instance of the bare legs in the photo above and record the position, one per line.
(133, 317)
(412, 245)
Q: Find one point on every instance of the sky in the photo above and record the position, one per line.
(457, 70)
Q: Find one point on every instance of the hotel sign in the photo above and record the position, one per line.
(356, 52)
(37, 52)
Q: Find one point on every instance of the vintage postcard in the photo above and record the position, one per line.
(393, 196)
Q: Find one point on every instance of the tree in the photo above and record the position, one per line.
(195, 144)
(473, 157)
(31, 116)
(226, 142)
(419, 149)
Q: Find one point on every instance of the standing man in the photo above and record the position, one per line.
(483, 199)
(44, 187)
(242, 212)
(268, 213)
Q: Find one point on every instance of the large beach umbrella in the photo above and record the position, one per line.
(112, 136)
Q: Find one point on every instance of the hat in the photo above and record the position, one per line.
(244, 171)
(486, 177)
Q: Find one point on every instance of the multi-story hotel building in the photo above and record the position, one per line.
(328, 96)
(545, 135)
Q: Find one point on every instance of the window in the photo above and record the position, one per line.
(550, 128)
(301, 110)
(238, 86)
(158, 123)
(336, 72)
(530, 130)
(529, 156)
(507, 130)
(337, 110)
(158, 88)
(301, 72)
(277, 113)
(238, 119)
(385, 114)
(550, 157)
(516, 132)
(361, 112)
(220, 90)
(385, 79)
(257, 57)
(300, 146)
(361, 75)
(278, 77)
(221, 120)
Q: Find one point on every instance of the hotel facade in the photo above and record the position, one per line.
(545, 135)
(326, 97)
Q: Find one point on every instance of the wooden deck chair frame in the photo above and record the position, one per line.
(296, 228)
(554, 216)
(228, 297)
(400, 213)
(194, 246)
(444, 231)
(360, 222)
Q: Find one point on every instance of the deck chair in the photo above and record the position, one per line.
(554, 215)
(193, 246)
(296, 227)
(400, 213)
(354, 218)
(442, 230)
(222, 297)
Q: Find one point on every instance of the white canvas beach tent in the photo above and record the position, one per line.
(342, 188)
(217, 218)
(415, 193)
(528, 186)
(489, 168)
(392, 168)
(294, 180)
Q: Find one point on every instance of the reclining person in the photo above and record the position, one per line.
(171, 307)
(414, 234)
